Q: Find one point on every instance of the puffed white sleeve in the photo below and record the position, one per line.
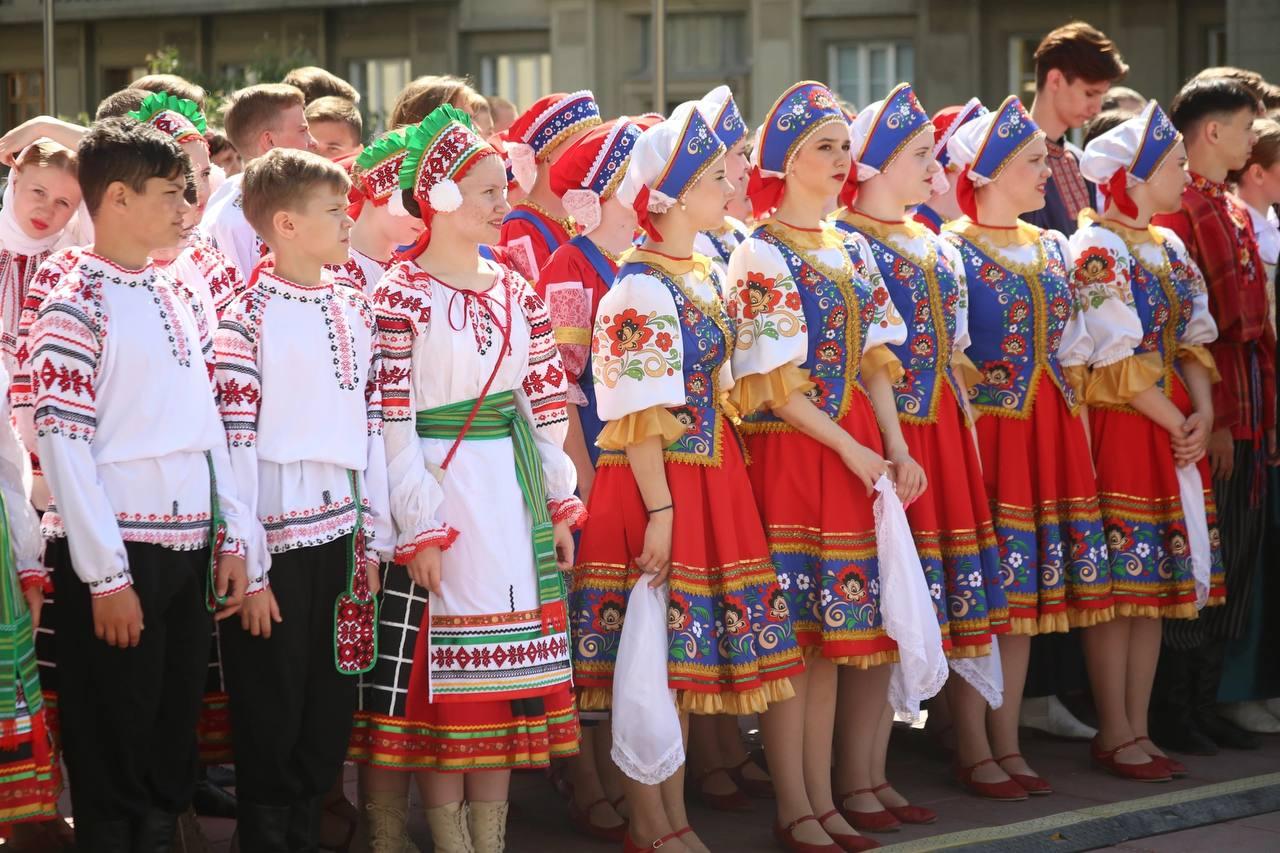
(763, 301)
(1075, 346)
(637, 363)
(1201, 329)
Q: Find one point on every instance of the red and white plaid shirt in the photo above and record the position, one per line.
(1066, 174)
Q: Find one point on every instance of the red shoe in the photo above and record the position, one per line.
(1008, 791)
(1033, 785)
(844, 840)
(789, 842)
(630, 846)
(908, 814)
(1177, 769)
(762, 788)
(581, 820)
(734, 801)
(1152, 771)
(881, 821)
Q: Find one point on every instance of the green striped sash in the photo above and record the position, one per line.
(17, 641)
(496, 418)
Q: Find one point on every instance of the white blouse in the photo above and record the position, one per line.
(297, 377)
(127, 425)
(360, 272)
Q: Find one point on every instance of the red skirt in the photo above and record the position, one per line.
(732, 647)
(1142, 515)
(1044, 504)
(951, 525)
(822, 534)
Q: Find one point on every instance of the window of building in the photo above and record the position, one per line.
(865, 71)
(1215, 46)
(378, 81)
(698, 45)
(521, 78)
(115, 79)
(1022, 66)
(24, 96)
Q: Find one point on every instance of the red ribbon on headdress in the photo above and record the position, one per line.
(420, 245)
(966, 195)
(849, 191)
(641, 207)
(764, 191)
(1116, 191)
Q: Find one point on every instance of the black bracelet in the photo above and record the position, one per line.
(660, 509)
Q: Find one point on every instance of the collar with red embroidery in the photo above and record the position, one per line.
(1213, 189)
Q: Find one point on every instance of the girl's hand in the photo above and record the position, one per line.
(371, 572)
(655, 559)
(908, 477)
(424, 569)
(563, 538)
(35, 603)
(865, 463)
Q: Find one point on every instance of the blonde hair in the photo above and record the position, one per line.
(255, 109)
(172, 84)
(419, 98)
(1266, 151)
(47, 154)
(282, 179)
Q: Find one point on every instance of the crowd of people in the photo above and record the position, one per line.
(520, 440)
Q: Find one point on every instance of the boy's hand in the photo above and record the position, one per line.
(258, 612)
(117, 618)
(35, 603)
(563, 538)
(230, 579)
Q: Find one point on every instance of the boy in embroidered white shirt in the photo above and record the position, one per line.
(131, 443)
(297, 382)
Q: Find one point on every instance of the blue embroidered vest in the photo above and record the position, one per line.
(837, 314)
(707, 341)
(1016, 320)
(925, 292)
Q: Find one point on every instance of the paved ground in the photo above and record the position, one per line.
(538, 822)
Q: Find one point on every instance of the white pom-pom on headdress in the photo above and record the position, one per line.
(584, 207)
(395, 204)
(524, 164)
(939, 183)
(444, 196)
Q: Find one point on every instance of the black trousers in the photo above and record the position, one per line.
(291, 710)
(128, 716)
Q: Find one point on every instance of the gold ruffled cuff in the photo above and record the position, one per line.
(768, 390)
(1077, 376)
(637, 426)
(1201, 355)
(1119, 382)
(881, 357)
(966, 369)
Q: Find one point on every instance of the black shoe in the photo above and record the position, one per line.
(222, 775)
(303, 834)
(1224, 732)
(106, 836)
(1185, 738)
(211, 801)
(154, 833)
(263, 829)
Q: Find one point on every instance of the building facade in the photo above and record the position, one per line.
(521, 49)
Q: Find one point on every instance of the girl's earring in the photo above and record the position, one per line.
(682, 207)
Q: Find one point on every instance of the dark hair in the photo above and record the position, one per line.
(218, 141)
(1104, 121)
(1204, 97)
(316, 82)
(1262, 90)
(122, 150)
(283, 179)
(1081, 52)
(172, 84)
(121, 103)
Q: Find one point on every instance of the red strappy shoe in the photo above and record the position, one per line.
(631, 846)
(881, 821)
(1033, 785)
(1152, 771)
(908, 814)
(582, 822)
(1177, 769)
(1008, 791)
(788, 841)
(844, 840)
(734, 801)
(761, 788)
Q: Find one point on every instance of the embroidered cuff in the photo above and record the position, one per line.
(964, 367)
(880, 357)
(232, 546)
(1119, 382)
(570, 510)
(112, 584)
(637, 426)
(436, 537)
(769, 390)
(1200, 354)
(35, 579)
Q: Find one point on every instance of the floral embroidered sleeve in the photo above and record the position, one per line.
(763, 301)
(402, 308)
(379, 531)
(238, 375)
(20, 393)
(885, 325)
(68, 339)
(1076, 346)
(1201, 329)
(225, 281)
(637, 363)
(569, 303)
(541, 399)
